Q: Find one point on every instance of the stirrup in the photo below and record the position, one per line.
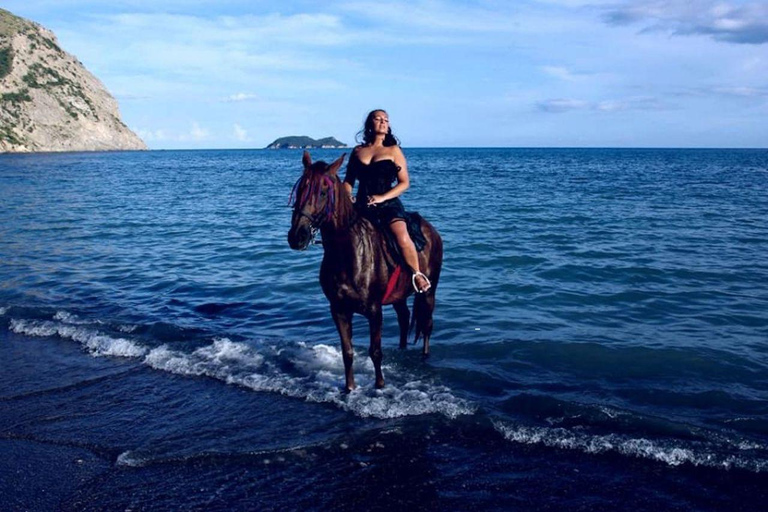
(413, 282)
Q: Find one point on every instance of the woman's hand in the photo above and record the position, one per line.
(374, 200)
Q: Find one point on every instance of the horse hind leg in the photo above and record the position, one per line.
(423, 307)
(403, 319)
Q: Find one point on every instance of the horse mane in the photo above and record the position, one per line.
(338, 206)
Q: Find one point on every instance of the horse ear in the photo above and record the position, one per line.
(335, 166)
(306, 160)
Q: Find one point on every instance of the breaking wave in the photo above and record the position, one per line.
(301, 370)
(96, 343)
(317, 372)
(697, 454)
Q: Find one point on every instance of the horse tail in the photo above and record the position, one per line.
(422, 316)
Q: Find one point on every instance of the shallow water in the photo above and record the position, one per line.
(600, 331)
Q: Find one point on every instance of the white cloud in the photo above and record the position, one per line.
(560, 105)
(197, 133)
(151, 135)
(562, 73)
(435, 15)
(731, 22)
(744, 92)
(241, 96)
(240, 133)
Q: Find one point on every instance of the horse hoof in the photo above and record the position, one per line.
(379, 384)
(424, 356)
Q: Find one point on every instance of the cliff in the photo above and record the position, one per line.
(48, 100)
(305, 142)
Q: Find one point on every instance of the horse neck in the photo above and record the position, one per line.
(343, 215)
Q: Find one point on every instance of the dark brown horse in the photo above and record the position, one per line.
(358, 273)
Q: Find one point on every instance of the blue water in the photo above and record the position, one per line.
(600, 337)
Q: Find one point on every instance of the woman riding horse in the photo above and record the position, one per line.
(376, 164)
(359, 272)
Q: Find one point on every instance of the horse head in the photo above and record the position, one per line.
(314, 199)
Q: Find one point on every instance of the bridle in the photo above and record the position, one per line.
(298, 207)
(314, 223)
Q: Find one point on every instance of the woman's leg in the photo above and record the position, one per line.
(400, 230)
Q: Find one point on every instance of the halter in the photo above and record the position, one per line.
(314, 182)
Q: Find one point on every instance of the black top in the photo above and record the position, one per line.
(375, 178)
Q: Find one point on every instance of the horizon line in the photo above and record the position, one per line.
(699, 148)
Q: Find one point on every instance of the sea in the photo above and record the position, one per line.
(600, 342)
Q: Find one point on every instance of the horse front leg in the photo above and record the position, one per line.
(375, 321)
(343, 321)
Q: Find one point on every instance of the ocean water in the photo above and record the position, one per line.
(601, 337)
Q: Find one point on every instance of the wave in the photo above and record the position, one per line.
(317, 372)
(96, 343)
(698, 454)
(313, 372)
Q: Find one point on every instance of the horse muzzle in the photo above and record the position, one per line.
(299, 237)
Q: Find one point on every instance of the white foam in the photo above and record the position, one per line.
(219, 360)
(311, 372)
(413, 398)
(72, 319)
(318, 376)
(67, 318)
(96, 343)
(632, 447)
(3, 311)
(127, 459)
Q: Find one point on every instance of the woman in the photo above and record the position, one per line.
(376, 164)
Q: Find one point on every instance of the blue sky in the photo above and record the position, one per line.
(238, 74)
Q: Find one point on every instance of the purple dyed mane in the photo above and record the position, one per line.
(310, 185)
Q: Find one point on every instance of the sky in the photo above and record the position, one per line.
(476, 73)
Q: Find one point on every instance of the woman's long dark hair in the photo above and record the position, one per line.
(369, 135)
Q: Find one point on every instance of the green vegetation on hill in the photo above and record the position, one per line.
(302, 141)
(16, 97)
(6, 59)
(42, 77)
(10, 24)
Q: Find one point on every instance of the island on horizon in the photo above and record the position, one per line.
(304, 142)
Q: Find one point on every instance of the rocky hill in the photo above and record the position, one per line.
(304, 142)
(48, 100)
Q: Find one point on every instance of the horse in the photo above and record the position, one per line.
(359, 274)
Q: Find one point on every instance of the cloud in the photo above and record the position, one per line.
(241, 96)
(723, 21)
(240, 133)
(198, 133)
(151, 135)
(562, 73)
(195, 133)
(559, 105)
(743, 92)
(435, 15)
(730, 91)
